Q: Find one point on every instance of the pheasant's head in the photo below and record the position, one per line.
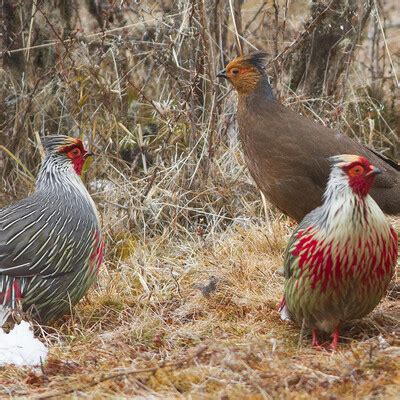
(245, 72)
(65, 149)
(356, 171)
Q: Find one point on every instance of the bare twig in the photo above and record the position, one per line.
(302, 35)
(238, 37)
(386, 45)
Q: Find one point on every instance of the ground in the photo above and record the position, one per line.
(198, 319)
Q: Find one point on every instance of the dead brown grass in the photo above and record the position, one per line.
(156, 328)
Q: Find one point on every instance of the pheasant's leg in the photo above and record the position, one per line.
(281, 304)
(315, 342)
(335, 340)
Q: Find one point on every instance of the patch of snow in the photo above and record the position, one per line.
(383, 344)
(102, 185)
(20, 347)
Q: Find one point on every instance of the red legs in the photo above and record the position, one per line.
(335, 340)
(281, 304)
(315, 343)
(332, 347)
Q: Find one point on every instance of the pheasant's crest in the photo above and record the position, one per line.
(255, 59)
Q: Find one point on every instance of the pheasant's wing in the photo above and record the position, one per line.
(38, 237)
(308, 221)
(386, 159)
(307, 145)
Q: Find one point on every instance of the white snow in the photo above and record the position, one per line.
(20, 347)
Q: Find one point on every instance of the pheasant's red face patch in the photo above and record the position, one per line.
(235, 71)
(361, 175)
(77, 154)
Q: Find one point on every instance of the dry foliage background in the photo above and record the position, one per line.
(185, 304)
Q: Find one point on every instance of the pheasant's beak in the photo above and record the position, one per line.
(374, 171)
(89, 154)
(222, 74)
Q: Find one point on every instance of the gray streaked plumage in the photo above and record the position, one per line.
(50, 242)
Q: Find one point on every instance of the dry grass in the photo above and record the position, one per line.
(186, 301)
(197, 319)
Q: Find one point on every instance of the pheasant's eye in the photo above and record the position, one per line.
(355, 171)
(74, 153)
(235, 71)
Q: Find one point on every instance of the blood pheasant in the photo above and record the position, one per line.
(287, 153)
(341, 258)
(50, 242)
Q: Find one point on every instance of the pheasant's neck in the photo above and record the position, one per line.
(60, 180)
(261, 92)
(345, 215)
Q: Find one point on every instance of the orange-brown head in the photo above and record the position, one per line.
(245, 72)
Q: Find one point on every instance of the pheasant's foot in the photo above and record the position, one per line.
(314, 342)
(335, 340)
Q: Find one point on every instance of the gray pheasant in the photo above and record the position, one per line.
(50, 242)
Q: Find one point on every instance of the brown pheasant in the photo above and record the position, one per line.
(287, 154)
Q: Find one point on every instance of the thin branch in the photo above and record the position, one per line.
(103, 33)
(386, 45)
(239, 44)
(302, 35)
